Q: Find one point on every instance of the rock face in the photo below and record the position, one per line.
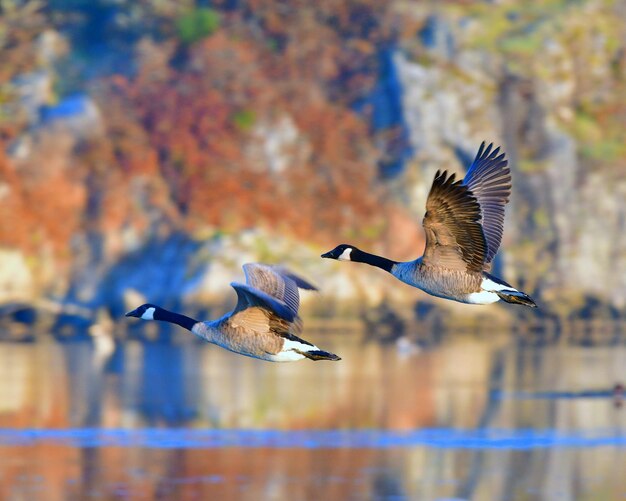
(386, 113)
(597, 265)
(78, 115)
(16, 278)
(391, 92)
(35, 91)
(565, 207)
(277, 145)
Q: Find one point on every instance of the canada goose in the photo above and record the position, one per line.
(463, 225)
(264, 324)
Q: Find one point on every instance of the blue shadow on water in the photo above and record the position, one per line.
(441, 438)
(553, 395)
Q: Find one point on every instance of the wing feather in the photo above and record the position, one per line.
(278, 282)
(267, 310)
(454, 236)
(489, 180)
(249, 297)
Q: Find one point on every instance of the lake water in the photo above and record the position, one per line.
(478, 416)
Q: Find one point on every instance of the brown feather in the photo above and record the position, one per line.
(454, 235)
(489, 180)
(258, 330)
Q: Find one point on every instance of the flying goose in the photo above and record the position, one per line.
(463, 225)
(264, 324)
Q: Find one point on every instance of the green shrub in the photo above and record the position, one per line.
(522, 45)
(244, 120)
(585, 128)
(197, 24)
(607, 150)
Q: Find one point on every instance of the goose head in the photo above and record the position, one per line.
(145, 312)
(343, 252)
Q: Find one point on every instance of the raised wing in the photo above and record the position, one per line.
(489, 180)
(250, 297)
(300, 282)
(278, 282)
(454, 236)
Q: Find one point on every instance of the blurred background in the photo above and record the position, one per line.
(149, 148)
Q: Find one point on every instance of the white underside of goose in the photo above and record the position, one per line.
(487, 294)
(290, 351)
(483, 297)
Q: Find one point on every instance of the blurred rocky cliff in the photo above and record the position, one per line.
(150, 148)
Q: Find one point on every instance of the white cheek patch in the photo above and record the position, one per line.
(148, 314)
(345, 255)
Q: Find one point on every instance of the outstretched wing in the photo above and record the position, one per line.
(284, 272)
(278, 282)
(250, 297)
(489, 180)
(267, 310)
(454, 236)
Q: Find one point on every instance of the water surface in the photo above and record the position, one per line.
(476, 416)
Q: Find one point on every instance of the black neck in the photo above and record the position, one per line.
(372, 259)
(174, 318)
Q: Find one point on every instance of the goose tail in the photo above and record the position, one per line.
(516, 297)
(320, 355)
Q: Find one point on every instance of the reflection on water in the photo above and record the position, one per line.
(476, 417)
(176, 438)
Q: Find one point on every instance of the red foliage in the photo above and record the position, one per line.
(181, 137)
(40, 208)
(183, 125)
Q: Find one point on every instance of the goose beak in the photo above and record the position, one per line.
(132, 314)
(329, 255)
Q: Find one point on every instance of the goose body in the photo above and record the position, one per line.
(264, 324)
(463, 224)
